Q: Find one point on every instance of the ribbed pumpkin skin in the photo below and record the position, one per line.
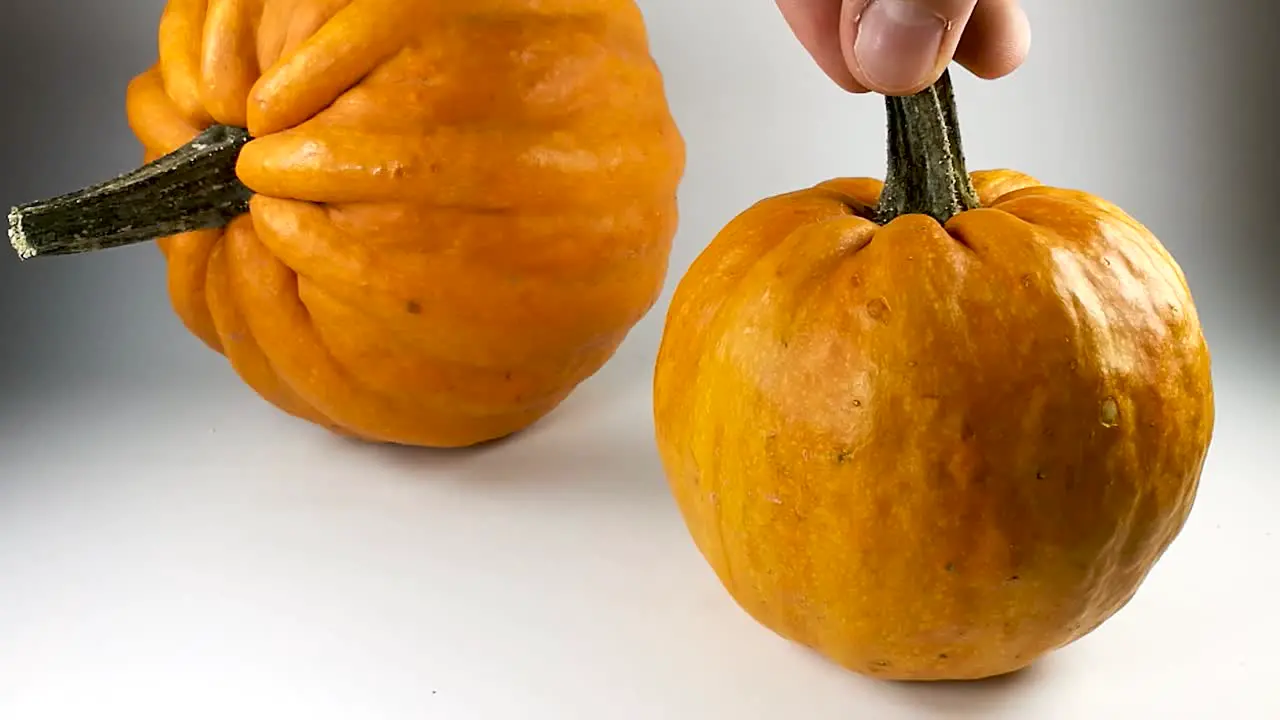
(462, 206)
(934, 452)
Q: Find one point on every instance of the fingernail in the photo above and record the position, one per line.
(898, 42)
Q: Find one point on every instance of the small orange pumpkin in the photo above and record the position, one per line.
(447, 214)
(938, 427)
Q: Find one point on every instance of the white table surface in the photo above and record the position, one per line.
(240, 564)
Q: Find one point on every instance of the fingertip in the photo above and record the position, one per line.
(849, 84)
(997, 40)
(838, 72)
(814, 24)
(900, 47)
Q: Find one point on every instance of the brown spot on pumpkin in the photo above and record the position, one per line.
(842, 456)
(1040, 475)
(1027, 281)
(1014, 578)
(1109, 413)
(413, 307)
(879, 309)
(857, 403)
(950, 567)
(942, 656)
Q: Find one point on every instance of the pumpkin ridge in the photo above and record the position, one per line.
(155, 119)
(535, 248)
(180, 34)
(710, 262)
(321, 381)
(228, 59)
(299, 236)
(331, 61)
(245, 299)
(495, 170)
(283, 26)
(241, 348)
(347, 374)
(1136, 235)
(187, 263)
(426, 355)
(712, 347)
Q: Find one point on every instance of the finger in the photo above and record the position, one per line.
(815, 24)
(996, 39)
(899, 47)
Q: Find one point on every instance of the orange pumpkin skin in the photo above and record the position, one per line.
(461, 208)
(934, 453)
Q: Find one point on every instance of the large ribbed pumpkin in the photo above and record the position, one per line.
(447, 214)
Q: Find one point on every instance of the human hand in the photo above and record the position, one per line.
(899, 47)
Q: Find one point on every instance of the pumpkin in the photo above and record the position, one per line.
(937, 427)
(412, 222)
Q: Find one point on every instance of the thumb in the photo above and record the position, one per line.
(899, 47)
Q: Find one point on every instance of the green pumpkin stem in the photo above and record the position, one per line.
(926, 174)
(193, 188)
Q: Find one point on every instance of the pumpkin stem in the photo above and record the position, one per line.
(926, 174)
(193, 188)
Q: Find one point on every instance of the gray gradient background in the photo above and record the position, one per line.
(1162, 106)
(165, 537)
